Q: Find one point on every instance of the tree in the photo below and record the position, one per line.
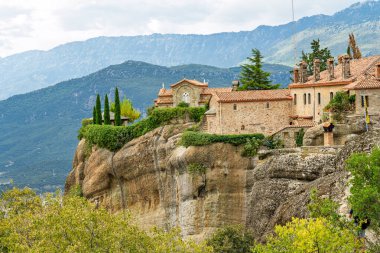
(107, 120)
(117, 108)
(253, 77)
(56, 223)
(310, 235)
(365, 190)
(317, 53)
(353, 47)
(231, 239)
(127, 110)
(98, 110)
(94, 115)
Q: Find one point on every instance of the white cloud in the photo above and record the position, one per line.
(42, 24)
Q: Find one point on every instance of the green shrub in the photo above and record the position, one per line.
(251, 147)
(183, 104)
(115, 137)
(191, 138)
(87, 121)
(231, 239)
(196, 169)
(299, 138)
(339, 104)
(272, 142)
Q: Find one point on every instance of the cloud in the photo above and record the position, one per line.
(42, 24)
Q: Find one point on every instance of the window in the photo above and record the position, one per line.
(186, 97)
(331, 95)
(365, 101)
(286, 135)
(235, 107)
(309, 98)
(267, 105)
(295, 99)
(242, 127)
(304, 98)
(319, 98)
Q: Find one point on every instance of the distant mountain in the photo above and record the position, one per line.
(32, 70)
(38, 130)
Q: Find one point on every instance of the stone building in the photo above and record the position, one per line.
(312, 93)
(283, 112)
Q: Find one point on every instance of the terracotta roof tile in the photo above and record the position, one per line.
(211, 91)
(358, 67)
(165, 92)
(193, 82)
(366, 84)
(254, 95)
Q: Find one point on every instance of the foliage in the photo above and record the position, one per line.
(93, 115)
(190, 138)
(52, 223)
(317, 53)
(322, 207)
(114, 137)
(231, 239)
(339, 104)
(251, 147)
(253, 77)
(365, 190)
(98, 110)
(117, 109)
(353, 47)
(299, 137)
(183, 104)
(86, 122)
(196, 168)
(310, 235)
(107, 120)
(272, 142)
(127, 110)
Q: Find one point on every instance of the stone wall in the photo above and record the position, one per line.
(194, 93)
(288, 135)
(250, 117)
(373, 99)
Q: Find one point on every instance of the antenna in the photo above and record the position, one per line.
(294, 35)
(163, 85)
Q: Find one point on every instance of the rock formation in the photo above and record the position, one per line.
(150, 176)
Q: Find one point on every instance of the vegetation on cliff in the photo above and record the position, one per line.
(52, 223)
(115, 137)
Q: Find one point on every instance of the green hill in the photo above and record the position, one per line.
(38, 130)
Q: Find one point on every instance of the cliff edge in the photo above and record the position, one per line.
(202, 188)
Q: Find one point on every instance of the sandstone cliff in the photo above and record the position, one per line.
(150, 177)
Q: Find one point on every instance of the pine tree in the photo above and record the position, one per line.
(98, 110)
(107, 120)
(317, 53)
(253, 77)
(94, 116)
(356, 53)
(117, 108)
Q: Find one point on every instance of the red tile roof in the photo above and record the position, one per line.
(193, 82)
(254, 95)
(367, 84)
(358, 67)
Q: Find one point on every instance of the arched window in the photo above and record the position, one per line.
(186, 97)
(235, 107)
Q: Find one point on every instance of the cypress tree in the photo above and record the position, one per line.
(98, 110)
(107, 120)
(117, 108)
(94, 116)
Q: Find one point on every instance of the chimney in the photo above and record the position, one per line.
(377, 73)
(235, 85)
(296, 75)
(303, 72)
(317, 70)
(330, 68)
(346, 73)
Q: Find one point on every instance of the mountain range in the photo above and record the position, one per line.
(32, 70)
(38, 130)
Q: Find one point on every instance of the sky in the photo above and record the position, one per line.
(44, 24)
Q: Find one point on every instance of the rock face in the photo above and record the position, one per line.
(150, 176)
